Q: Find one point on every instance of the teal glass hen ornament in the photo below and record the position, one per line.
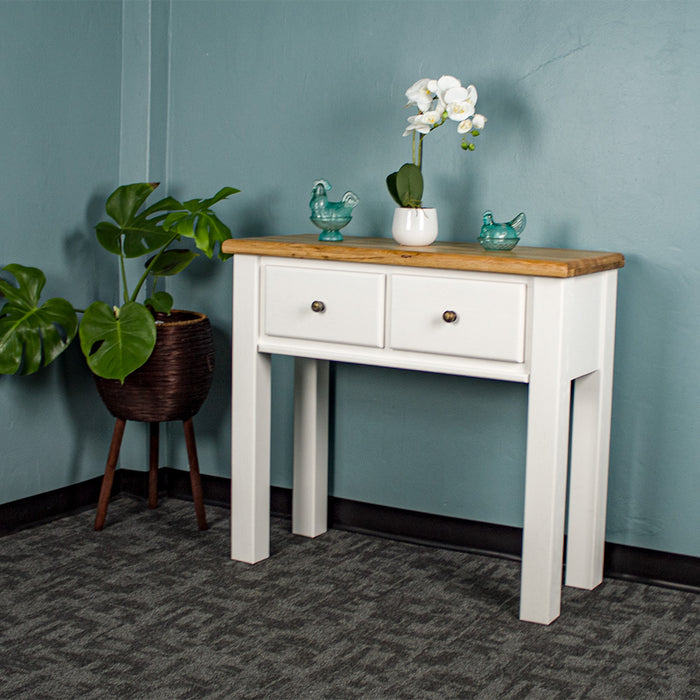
(496, 236)
(330, 216)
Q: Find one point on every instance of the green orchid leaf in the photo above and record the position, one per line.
(160, 302)
(123, 204)
(391, 186)
(171, 262)
(31, 337)
(115, 345)
(409, 185)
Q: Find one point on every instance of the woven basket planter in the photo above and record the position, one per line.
(174, 382)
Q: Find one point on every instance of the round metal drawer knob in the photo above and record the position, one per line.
(318, 306)
(449, 316)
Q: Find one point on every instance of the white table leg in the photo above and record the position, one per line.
(310, 491)
(547, 448)
(590, 446)
(250, 421)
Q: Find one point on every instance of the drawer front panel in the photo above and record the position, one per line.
(489, 323)
(351, 308)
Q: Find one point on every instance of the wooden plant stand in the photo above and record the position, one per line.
(113, 456)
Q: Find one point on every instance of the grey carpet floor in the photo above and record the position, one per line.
(152, 608)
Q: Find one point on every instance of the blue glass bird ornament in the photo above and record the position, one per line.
(495, 236)
(330, 216)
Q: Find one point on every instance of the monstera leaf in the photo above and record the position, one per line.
(199, 222)
(116, 342)
(170, 262)
(32, 336)
(160, 302)
(134, 233)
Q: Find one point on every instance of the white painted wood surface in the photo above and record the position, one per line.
(310, 485)
(552, 331)
(590, 447)
(250, 421)
(547, 445)
(489, 317)
(350, 311)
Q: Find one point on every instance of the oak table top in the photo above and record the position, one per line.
(522, 260)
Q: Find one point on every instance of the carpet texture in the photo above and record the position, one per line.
(152, 608)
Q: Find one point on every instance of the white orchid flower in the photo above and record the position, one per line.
(456, 94)
(464, 126)
(415, 125)
(479, 121)
(444, 84)
(424, 122)
(461, 94)
(459, 111)
(420, 94)
(431, 117)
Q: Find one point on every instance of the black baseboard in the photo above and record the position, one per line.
(652, 566)
(425, 528)
(621, 561)
(44, 507)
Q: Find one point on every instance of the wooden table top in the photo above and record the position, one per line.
(522, 260)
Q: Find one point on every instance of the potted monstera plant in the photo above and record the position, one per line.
(116, 340)
(151, 362)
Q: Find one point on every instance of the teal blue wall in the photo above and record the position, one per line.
(591, 131)
(60, 77)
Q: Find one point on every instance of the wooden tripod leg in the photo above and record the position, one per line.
(108, 478)
(153, 466)
(195, 480)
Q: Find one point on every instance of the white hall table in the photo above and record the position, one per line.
(541, 316)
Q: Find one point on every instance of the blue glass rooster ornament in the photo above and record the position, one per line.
(496, 236)
(330, 217)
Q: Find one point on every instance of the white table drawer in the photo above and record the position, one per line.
(490, 317)
(351, 308)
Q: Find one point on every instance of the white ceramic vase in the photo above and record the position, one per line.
(415, 227)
